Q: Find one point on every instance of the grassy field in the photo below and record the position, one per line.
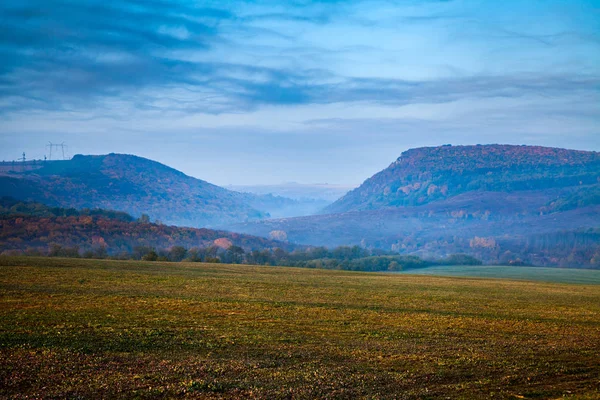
(558, 275)
(114, 329)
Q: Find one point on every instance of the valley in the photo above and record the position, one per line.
(502, 204)
(312, 199)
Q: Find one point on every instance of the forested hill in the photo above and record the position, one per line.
(134, 185)
(424, 175)
(34, 228)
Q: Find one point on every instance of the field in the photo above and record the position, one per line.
(558, 275)
(113, 329)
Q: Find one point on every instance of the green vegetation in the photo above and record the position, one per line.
(74, 328)
(582, 197)
(558, 275)
(356, 258)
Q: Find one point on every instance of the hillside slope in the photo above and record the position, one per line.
(134, 185)
(428, 174)
(34, 227)
(494, 227)
(498, 203)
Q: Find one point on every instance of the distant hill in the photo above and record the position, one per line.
(29, 226)
(298, 191)
(303, 199)
(498, 203)
(137, 186)
(494, 227)
(428, 174)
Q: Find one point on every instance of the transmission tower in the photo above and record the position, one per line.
(60, 146)
(23, 159)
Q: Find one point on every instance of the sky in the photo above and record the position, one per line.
(322, 91)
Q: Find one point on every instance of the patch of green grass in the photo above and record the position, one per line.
(123, 329)
(557, 275)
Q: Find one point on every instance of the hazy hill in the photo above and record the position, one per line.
(137, 186)
(27, 226)
(298, 191)
(424, 175)
(498, 203)
(303, 199)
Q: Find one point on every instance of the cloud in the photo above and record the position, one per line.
(175, 57)
(303, 90)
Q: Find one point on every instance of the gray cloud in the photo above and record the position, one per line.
(122, 76)
(76, 54)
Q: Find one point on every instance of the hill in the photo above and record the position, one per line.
(501, 204)
(137, 186)
(309, 199)
(299, 191)
(36, 229)
(496, 228)
(428, 174)
(33, 228)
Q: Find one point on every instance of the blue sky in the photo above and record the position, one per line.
(247, 92)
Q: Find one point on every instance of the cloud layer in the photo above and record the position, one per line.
(271, 69)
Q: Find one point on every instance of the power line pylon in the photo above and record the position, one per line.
(23, 159)
(60, 146)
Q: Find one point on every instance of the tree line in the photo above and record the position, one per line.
(350, 258)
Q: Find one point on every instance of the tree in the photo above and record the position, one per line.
(140, 251)
(394, 266)
(195, 255)
(150, 256)
(177, 253)
(235, 254)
